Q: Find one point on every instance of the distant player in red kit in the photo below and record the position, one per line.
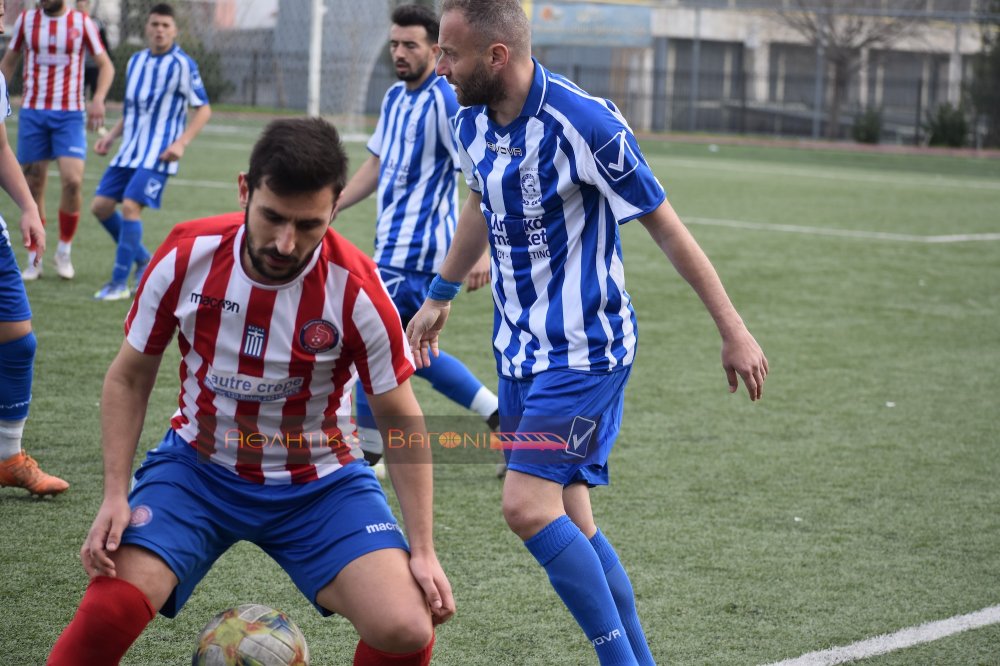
(51, 122)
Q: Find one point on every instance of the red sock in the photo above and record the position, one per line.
(111, 616)
(67, 225)
(366, 655)
(34, 246)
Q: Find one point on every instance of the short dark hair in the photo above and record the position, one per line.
(407, 15)
(162, 9)
(298, 155)
(495, 21)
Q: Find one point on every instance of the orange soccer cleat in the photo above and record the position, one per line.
(21, 471)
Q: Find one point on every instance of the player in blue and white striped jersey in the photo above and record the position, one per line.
(553, 173)
(161, 82)
(414, 166)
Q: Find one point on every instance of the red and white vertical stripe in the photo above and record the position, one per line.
(232, 406)
(53, 57)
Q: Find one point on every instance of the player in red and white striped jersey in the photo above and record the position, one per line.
(54, 39)
(276, 317)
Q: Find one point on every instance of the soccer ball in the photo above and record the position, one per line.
(251, 635)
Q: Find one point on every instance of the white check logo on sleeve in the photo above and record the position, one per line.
(616, 158)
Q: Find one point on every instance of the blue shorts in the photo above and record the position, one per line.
(140, 185)
(46, 135)
(189, 512)
(13, 298)
(407, 289)
(561, 424)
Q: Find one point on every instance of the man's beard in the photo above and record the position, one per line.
(481, 88)
(412, 74)
(54, 7)
(257, 256)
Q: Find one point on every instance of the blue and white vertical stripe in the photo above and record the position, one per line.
(417, 189)
(556, 183)
(158, 91)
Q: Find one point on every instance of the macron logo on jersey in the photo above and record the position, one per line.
(616, 158)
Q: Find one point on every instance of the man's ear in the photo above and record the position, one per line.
(499, 56)
(244, 190)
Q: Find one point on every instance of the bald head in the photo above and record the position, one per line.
(495, 22)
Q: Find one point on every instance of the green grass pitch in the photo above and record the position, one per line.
(858, 498)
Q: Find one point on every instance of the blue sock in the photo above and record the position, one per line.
(129, 242)
(575, 572)
(113, 225)
(451, 378)
(621, 590)
(17, 360)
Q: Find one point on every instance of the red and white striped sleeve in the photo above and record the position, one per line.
(384, 360)
(152, 320)
(92, 37)
(17, 40)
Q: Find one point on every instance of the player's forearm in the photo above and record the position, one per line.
(469, 243)
(199, 119)
(693, 265)
(8, 63)
(362, 183)
(412, 479)
(105, 76)
(124, 400)
(12, 180)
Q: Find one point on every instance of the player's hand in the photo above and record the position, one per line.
(430, 577)
(479, 276)
(743, 357)
(173, 153)
(33, 232)
(424, 329)
(105, 537)
(95, 114)
(103, 145)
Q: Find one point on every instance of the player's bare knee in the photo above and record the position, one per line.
(102, 208)
(523, 517)
(72, 187)
(406, 633)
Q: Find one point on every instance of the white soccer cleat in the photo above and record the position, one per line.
(113, 292)
(31, 272)
(64, 267)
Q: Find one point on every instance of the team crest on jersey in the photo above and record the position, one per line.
(616, 158)
(153, 187)
(411, 132)
(73, 33)
(254, 341)
(531, 191)
(318, 336)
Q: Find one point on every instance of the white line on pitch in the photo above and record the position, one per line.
(904, 638)
(855, 176)
(843, 233)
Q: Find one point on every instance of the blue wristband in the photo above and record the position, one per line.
(443, 290)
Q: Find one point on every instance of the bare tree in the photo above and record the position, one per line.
(841, 29)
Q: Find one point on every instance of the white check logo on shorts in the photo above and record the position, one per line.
(579, 436)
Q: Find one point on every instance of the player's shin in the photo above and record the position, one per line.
(111, 616)
(575, 572)
(621, 590)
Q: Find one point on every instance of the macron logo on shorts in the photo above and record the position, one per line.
(374, 528)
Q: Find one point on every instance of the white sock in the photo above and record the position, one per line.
(63, 248)
(10, 438)
(31, 258)
(485, 403)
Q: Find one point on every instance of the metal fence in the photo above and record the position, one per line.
(255, 53)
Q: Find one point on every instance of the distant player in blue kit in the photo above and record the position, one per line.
(414, 166)
(17, 340)
(553, 173)
(161, 82)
